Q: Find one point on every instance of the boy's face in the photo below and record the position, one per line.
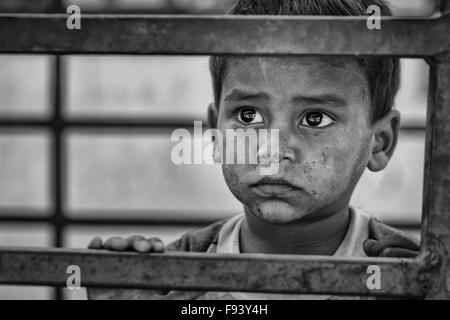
(322, 111)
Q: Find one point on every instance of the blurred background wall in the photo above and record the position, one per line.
(128, 173)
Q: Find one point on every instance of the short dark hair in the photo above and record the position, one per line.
(383, 73)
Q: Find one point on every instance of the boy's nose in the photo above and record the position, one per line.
(282, 144)
(288, 144)
(288, 154)
(276, 150)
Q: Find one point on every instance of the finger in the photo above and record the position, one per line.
(142, 246)
(116, 244)
(131, 241)
(157, 244)
(368, 246)
(96, 243)
(135, 237)
(378, 230)
(397, 238)
(395, 241)
(398, 253)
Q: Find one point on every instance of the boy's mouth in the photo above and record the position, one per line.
(269, 186)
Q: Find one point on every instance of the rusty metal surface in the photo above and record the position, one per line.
(436, 226)
(40, 6)
(198, 35)
(444, 6)
(428, 276)
(259, 273)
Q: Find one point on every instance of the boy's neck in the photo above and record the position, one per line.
(319, 237)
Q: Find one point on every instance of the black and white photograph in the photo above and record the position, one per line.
(211, 150)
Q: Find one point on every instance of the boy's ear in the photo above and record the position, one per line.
(213, 115)
(384, 141)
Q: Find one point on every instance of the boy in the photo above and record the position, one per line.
(334, 117)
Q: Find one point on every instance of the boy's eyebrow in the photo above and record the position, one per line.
(238, 94)
(333, 99)
(329, 98)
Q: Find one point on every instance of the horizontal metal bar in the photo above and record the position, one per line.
(102, 123)
(52, 6)
(35, 6)
(145, 124)
(199, 271)
(22, 220)
(183, 221)
(239, 35)
(96, 220)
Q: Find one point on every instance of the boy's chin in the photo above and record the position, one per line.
(278, 212)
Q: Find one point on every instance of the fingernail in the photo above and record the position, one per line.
(143, 246)
(118, 244)
(97, 242)
(158, 246)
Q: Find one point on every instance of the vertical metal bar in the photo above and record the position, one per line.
(436, 230)
(444, 6)
(57, 157)
(59, 150)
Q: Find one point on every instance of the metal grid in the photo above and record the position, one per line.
(424, 276)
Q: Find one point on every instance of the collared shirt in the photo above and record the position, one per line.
(351, 246)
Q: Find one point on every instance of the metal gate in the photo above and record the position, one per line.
(427, 276)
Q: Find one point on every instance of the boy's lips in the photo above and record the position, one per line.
(278, 187)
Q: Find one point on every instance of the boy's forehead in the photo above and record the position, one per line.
(297, 75)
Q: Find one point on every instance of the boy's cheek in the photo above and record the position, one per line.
(231, 176)
(322, 181)
(327, 174)
(323, 173)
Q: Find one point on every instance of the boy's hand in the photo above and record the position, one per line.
(130, 244)
(385, 241)
(133, 244)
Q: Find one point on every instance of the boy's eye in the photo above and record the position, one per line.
(249, 116)
(316, 119)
